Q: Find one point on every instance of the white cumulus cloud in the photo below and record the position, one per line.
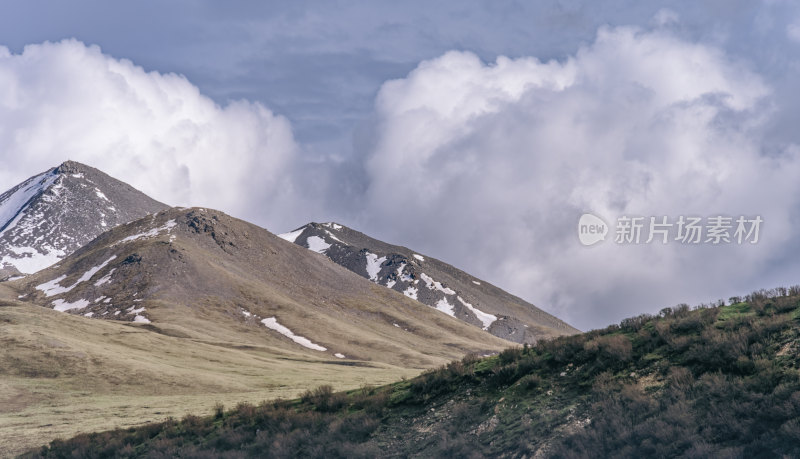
(498, 161)
(66, 100)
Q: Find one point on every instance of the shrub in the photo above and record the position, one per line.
(634, 324)
(503, 376)
(509, 355)
(219, 410)
(324, 399)
(615, 347)
(530, 382)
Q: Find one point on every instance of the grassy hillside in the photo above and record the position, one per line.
(61, 375)
(719, 381)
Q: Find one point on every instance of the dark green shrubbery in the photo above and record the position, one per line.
(716, 381)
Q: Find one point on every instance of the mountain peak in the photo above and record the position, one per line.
(52, 214)
(72, 167)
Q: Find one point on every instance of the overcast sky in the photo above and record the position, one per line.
(477, 132)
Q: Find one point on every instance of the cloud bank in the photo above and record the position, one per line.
(495, 163)
(155, 131)
(485, 165)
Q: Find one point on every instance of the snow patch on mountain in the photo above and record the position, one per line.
(54, 287)
(63, 306)
(13, 202)
(374, 266)
(105, 279)
(272, 324)
(151, 233)
(411, 292)
(330, 235)
(293, 235)
(433, 285)
(485, 318)
(90, 273)
(445, 307)
(100, 194)
(317, 244)
(404, 276)
(29, 260)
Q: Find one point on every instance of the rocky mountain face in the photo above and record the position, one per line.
(201, 274)
(431, 282)
(50, 215)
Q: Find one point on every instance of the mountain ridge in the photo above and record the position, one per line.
(431, 282)
(179, 268)
(52, 214)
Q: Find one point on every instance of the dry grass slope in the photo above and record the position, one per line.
(65, 374)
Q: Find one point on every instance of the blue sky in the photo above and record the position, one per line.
(476, 132)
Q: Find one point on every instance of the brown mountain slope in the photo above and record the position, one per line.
(202, 274)
(169, 314)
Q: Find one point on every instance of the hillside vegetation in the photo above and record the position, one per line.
(706, 382)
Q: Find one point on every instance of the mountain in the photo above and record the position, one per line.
(431, 282)
(180, 270)
(188, 307)
(709, 382)
(50, 215)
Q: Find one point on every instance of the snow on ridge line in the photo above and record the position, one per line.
(272, 324)
(54, 287)
(292, 235)
(151, 233)
(374, 266)
(419, 257)
(13, 203)
(486, 318)
(317, 244)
